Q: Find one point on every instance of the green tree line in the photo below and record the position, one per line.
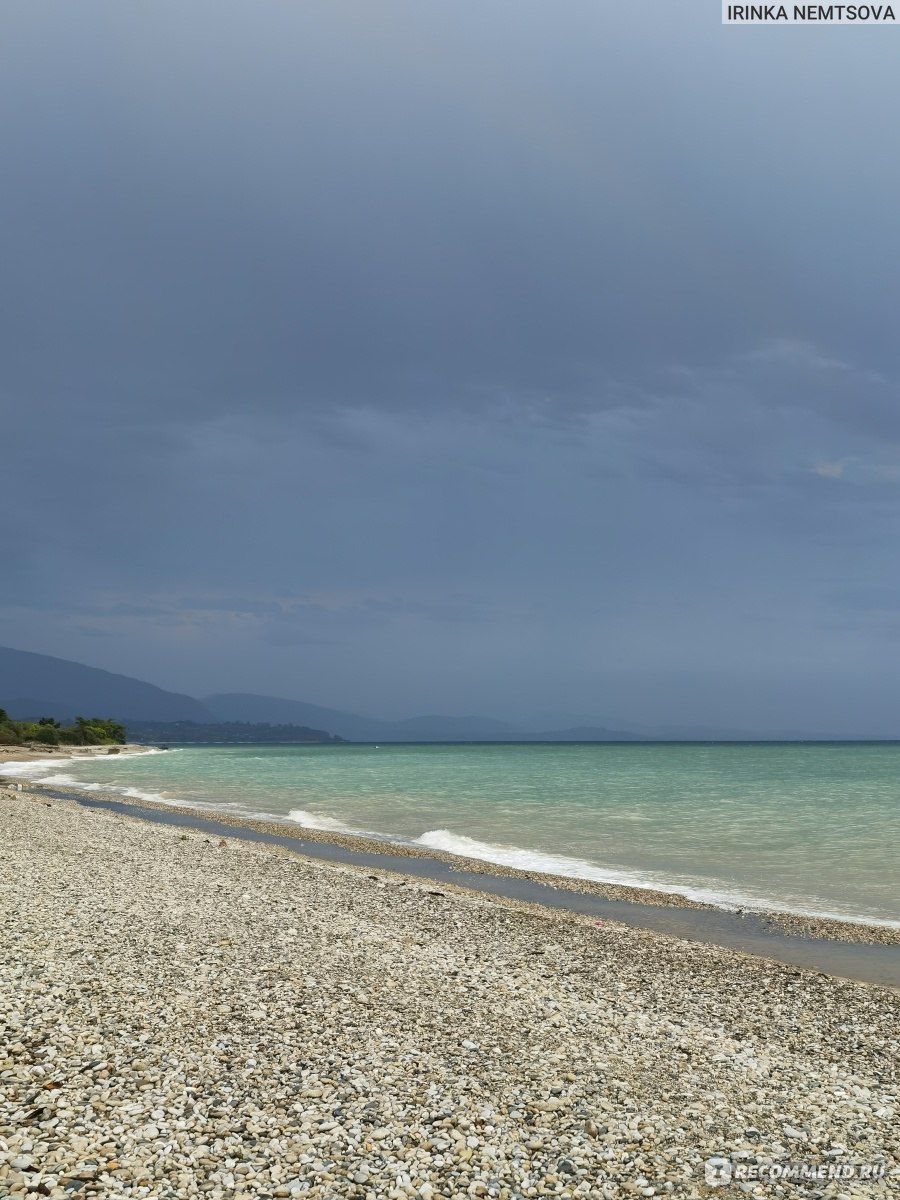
(86, 731)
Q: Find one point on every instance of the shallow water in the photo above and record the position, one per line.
(802, 827)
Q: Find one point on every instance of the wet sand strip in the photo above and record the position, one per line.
(749, 933)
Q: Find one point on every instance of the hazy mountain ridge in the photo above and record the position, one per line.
(226, 733)
(242, 706)
(38, 685)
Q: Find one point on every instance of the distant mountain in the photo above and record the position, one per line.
(718, 733)
(275, 710)
(587, 733)
(242, 706)
(36, 685)
(224, 732)
(454, 729)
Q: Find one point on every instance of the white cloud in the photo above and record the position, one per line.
(831, 470)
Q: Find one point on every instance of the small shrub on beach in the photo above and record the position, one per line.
(46, 735)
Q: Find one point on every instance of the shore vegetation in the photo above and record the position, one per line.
(47, 731)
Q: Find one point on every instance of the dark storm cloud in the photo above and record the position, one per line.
(317, 205)
(453, 357)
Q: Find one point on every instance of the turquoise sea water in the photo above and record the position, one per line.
(809, 828)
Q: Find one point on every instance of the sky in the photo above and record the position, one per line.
(521, 359)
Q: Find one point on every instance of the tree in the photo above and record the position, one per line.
(87, 731)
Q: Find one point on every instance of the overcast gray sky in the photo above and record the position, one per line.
(514, 358)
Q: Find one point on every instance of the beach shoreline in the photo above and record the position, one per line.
(791, 923)
(33, 751)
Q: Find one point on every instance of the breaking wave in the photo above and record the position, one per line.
(316, 821)
(534, 861)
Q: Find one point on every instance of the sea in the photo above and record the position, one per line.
(807, 828)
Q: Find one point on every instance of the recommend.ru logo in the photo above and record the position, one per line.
(719, 1170)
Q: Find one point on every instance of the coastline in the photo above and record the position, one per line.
(185, 1017)
(810, 926)
(32, 752)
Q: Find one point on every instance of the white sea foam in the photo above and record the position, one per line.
(62, 780)
(113, 789)
(35, 767)
(545, 864)
(509, 856)
(576, 868)
(316, 821)
(137, 794)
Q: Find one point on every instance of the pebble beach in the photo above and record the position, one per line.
(185, 1016)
